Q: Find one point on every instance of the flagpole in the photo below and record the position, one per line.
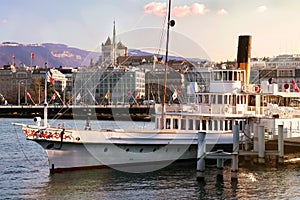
(45, 99)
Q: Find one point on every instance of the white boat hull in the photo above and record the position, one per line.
(131, 151)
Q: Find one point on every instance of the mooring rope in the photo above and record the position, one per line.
(23, 152)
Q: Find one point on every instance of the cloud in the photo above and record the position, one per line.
(160, 9)
(198, 8)
(4, 21)
(222, 12)
(156, 8)
(261, 9)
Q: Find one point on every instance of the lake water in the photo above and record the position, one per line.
(24, 174)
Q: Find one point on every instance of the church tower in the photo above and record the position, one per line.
(112, 50)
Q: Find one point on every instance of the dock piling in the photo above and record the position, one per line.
(261, 144)
(201, 156)
(248, 136)
(255, 138)
(235, 153)
(280, 144)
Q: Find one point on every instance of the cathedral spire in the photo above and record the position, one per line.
(114, 43)
(114, 33)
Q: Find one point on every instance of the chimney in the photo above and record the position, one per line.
(244, 55)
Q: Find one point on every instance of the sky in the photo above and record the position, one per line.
(207, 28)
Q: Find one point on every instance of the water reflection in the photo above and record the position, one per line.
(25, 175)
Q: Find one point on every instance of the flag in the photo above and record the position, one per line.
(53, 97)
(138, 95)
(296, 88)
(129, 93)
(107, 95)
(49, 78)
(28, 94)
(32, 55)
(175, 95)
(78, 97)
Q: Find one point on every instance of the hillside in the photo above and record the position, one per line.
(54, 54)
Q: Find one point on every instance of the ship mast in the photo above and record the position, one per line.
(171, 23)
(45, 99)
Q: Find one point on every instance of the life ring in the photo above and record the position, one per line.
(257, 89)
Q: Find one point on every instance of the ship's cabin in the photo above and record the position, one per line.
(196, 123)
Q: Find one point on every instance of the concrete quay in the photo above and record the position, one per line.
(108, 112)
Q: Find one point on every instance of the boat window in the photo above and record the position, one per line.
(191, 124)
(235, 76)
(230, 76)
(221, 125)
(215, 125)
(225, 99)
(225, 76)
(183, 124)
(217, 76)
(175, 123)
(220, 99)
(206, 98)
(168, 121)
(233, 99)
(204, 125)
(213, 99)
(226, 125)
(238, 76)
(200, 98)
(230, 125)
(241, 124)
(209, 124)
(197, 125)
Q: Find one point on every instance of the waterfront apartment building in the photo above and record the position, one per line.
(281, 69)
(24, 85)
(96, 85)
(15, 81)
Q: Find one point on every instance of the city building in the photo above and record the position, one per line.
(112, 50)
(95, 85)
(282, 69)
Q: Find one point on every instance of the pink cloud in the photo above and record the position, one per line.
(181, 11)
(156, 8)
(160, 9)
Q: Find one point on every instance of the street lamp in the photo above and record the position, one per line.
(19, 82)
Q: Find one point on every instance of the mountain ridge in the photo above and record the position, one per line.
(55, 55)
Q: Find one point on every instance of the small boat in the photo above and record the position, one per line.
(229, 99)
